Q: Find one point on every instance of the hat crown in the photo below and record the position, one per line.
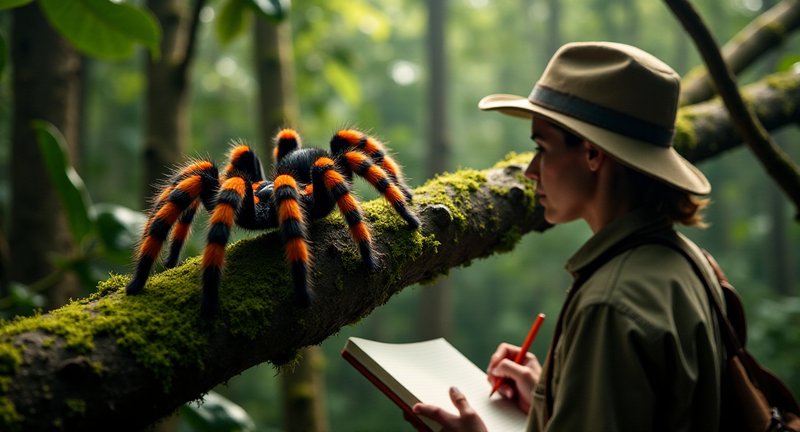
(615, 77)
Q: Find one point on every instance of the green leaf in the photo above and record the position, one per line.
(118, 229)
(67, 183)
(9, 4)
(231, 20)
(275, 10)
(102, 28)
(217, 414)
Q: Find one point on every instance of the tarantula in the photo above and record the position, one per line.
(306, 185)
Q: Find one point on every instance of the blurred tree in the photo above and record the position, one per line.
(168, 85)
(46, 78)
(274, 64)
(436, 305)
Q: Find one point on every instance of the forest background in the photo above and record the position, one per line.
(372, 65)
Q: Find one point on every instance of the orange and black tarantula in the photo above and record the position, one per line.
(306, 185)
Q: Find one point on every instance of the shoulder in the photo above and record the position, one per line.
(645, 285)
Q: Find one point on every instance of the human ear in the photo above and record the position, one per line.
(594, 156)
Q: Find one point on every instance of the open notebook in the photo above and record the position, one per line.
(424, 372)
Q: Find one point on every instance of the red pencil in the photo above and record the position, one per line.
(523, 349)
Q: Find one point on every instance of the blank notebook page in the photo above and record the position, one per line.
(428, 369)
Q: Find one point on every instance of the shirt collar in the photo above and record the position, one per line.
(638, 221)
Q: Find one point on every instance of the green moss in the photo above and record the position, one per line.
(454, 191)
(777, 29)
(9, 417)
(75, 407)
(5, 383)
(685, 135)
(10, 359)
(510, 239)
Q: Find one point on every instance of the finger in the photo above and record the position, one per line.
(503, 351)
(460, 402)
(434, 412)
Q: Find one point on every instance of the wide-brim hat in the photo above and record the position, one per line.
(619, 97)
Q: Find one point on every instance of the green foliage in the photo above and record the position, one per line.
(69, 186)
(215, 413)
(235, 15)
(114, 229)
(775, 335)
(103, 233)
(102, 28)
(10, 4)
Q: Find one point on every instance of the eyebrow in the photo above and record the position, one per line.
(534, 136)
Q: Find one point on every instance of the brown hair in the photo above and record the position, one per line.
(679, 206)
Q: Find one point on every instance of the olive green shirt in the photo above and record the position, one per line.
(639, 347)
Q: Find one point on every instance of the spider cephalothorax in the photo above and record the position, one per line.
(307, 184)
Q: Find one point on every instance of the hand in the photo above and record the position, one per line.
(467, 419)
(519, 379)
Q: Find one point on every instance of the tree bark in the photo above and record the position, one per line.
(46, 72)
(126, 361)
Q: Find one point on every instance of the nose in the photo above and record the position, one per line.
(532, 172)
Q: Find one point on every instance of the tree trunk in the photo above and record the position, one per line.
(435, 299)
(46, 72)
(167, 99)
(274, 66)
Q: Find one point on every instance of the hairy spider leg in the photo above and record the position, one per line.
(243, 162)
(324, 172)
(180, 233)
(373, 148)
(229, 200)
(361, 164)
(182, 228)
(159, 226)
(286, 141)
(293, 231)
(204, 168)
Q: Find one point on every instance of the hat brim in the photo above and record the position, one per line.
(663, 163)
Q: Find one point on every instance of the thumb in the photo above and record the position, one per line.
(460, 402)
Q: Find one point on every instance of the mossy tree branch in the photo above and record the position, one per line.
(127, 361)
(779, 166)
(761, 36)
(705, 130)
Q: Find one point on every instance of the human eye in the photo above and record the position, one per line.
(537, 147)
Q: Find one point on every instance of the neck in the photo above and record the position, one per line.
(612, 198)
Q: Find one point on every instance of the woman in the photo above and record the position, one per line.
(636, 348)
